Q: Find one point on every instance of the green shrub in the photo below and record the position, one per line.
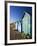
(26, 35)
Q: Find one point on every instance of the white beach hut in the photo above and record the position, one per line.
(24, 24)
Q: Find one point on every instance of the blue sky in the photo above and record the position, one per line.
(16, 12)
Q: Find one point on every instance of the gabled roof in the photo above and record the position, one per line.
(25, 14)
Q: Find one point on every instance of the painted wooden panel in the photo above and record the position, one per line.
(26, 23)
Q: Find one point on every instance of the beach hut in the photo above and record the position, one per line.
(23, 25)
(26, 23)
